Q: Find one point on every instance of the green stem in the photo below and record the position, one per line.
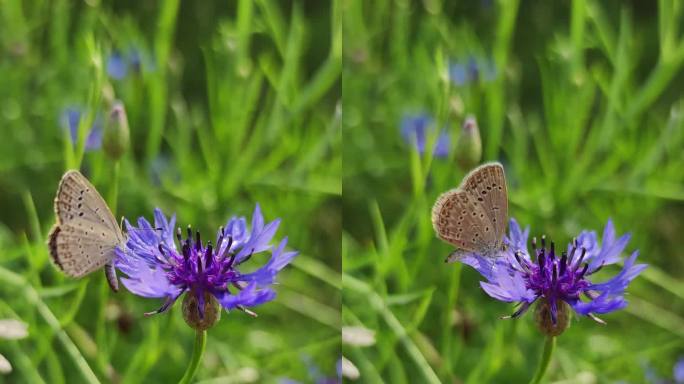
(549, 346)
(197, 352)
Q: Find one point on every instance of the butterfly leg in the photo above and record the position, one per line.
(456, 255)
(110, 274)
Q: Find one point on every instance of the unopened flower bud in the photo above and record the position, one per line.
(545, 321)
(469, 145)
(116, 136)
(207, 318)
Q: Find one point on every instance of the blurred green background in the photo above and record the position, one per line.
(229, 104)
(582, 103)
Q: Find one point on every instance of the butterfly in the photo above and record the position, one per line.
(473, 216)
(85, 236)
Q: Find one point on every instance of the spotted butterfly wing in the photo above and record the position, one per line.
(487, 184)
(473, 216)
(86, 234)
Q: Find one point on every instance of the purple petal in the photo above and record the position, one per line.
(143, 280)
(481, 264)
(257, 219)
(267, 273)
(604, 303)
(248, 297)
(619, 282)
(517, 239)
(507, 286)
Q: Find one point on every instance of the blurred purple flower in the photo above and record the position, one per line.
(69, 120)
(315, 375)
(416, 128)
(155, 267)
(514, 277)
(117, 67)
(678, 371)
(119, 64)
(652, 377)
(471, 70)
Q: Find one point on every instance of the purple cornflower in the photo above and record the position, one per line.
(155, 267)
(415, 129)
(558, 280)
(69, 120)
(472, 70)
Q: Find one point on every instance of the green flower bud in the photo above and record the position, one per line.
(468, 145)
(191, 314)
(542, 316)
(115, 139)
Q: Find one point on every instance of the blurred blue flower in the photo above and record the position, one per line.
(416, 128)
(514, 277)
(677, 373)
(315, 375)
(119, 64)
(117, 67)
(156, 268)
(69, 120)
(471, 70)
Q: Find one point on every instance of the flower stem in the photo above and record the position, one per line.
(549, 346)
(197, 352)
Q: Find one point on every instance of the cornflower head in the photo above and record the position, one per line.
(415, 130)
(557, 281)
(208, 274)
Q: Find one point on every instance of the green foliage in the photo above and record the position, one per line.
(585, 113)
(235, 103)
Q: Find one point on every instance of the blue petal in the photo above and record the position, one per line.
(507, 285)
(517, 239)
(116, 66)
(166, 226)
(610, 248)
(604, 303)
(267, 273)
(143, 280)
(236, 228)
(248, 297)
(258, 241)
(481, 264)
(257, 219)
(612, 291)
(619, 282)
